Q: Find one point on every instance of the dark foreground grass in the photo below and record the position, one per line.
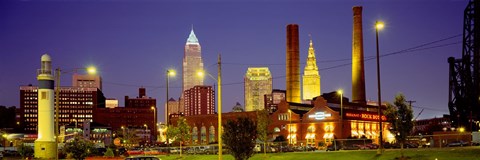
(460, 153)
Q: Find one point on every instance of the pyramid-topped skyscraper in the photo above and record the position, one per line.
(192, 63)
(311, 77)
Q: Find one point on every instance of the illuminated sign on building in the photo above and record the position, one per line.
(320, 115)
(364, 116)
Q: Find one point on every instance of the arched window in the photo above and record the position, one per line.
(195, 135)
(212, 134)
(203, 133)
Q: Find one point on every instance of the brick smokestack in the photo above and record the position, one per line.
(358, 71)
(293, 64)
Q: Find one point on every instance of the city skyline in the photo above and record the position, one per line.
(132, 44)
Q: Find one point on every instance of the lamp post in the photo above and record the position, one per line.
(169, 73)
(290, 128)
(155, 122)
(378, 26)
(4, 140)
(58, 72)
(145, 135)
(219, 102)
(341, 111)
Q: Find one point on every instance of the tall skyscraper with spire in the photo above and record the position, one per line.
(311, 77)
(192, 63)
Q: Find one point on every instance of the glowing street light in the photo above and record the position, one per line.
(340, 92)
(154, 119)
(290, 128)
(170, 72)
(378, 26)
(90, 70)
(201, 73)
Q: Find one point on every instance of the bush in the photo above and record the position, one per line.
(109, 153)
(25, 151)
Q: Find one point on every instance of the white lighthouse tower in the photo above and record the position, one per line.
(45, 145)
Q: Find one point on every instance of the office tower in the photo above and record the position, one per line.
(258, 82)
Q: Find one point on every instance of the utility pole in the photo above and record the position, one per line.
(410, 102)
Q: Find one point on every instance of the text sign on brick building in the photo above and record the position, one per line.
(320, 115)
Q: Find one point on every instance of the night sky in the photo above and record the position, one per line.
(132, 43)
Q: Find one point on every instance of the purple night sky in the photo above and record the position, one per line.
(132, 43)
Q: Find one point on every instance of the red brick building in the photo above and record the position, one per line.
(205, 127)
(199, 100)
(304, 124)
(76, 105)
(137, 113)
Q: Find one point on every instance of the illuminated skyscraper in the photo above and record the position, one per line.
(311, 78)
(192, 63)
(258, 82)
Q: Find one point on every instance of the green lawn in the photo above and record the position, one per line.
(460, 153)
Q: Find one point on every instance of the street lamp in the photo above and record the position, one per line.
(58, 72)
(378, 26)
(4, 140)
(219, 103)
(341, 111)
(145, 135)
(155, 122)
(290, 128)
(169, 73)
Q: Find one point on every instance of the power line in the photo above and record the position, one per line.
(408, 50)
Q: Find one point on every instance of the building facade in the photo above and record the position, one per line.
(174, 107)
(126, 117)
(199, 100)
(311, 77)
(315, 124)
(272, 100)
(76, 105)
(87, 81)
(204, 128)
(142, 101)
(258, 82)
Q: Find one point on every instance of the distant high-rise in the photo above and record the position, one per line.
(311, 78)
(258, 82)
(293, 65)
(199, 100)
(192, 63)
(173, 108)
(87, 81)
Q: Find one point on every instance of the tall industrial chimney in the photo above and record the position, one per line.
(358, 71)
(293, 64)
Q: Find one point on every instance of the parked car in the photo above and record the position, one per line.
(372, 146)
(457, 143)
(351, 147)
(142, 158)
(333, 147)
(360, 146)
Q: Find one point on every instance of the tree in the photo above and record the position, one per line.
(129, 136)
(25, 151)
(400, 116)
(7, 117)
(239, 136)
(263, 121)
(79, 148)
(109, 153)
(180, 133)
